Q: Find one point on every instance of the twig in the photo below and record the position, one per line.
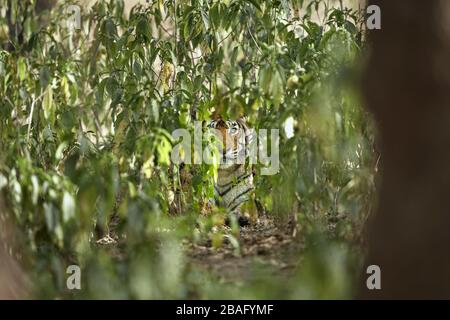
(254, 40)
(30, 118)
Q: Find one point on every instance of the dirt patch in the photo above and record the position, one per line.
(264, 244)
(271, 249)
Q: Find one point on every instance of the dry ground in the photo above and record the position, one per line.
(265, 244)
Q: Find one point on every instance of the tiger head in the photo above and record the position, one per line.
(232, 134)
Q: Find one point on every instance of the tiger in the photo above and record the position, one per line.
(234, 186)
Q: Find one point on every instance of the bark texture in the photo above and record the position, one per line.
(408, 91)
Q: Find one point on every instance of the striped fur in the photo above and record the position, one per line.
(235, 179)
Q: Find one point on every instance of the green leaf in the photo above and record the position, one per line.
(214, 16)
(164, 148)
(205, 19)
(47, 103)
(44, 77)
(21, 68)
(110, 28)
(111, 86)
(137, 69)
(65, 87)
(265, 76)
(68, 119)
(143, 29)
(255, 4)
(277, 88)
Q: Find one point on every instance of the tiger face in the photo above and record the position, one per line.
(232, 134)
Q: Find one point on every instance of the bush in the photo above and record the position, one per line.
(85, 131)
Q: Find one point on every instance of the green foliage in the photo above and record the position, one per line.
(85, 123)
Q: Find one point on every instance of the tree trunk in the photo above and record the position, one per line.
(408, 91)
(12, 281)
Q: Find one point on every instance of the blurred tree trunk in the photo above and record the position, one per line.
(408, 91)
(12, 281)
(10, 277)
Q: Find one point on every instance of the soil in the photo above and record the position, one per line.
(272, 247)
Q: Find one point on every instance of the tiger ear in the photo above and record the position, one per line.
(216, 115)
